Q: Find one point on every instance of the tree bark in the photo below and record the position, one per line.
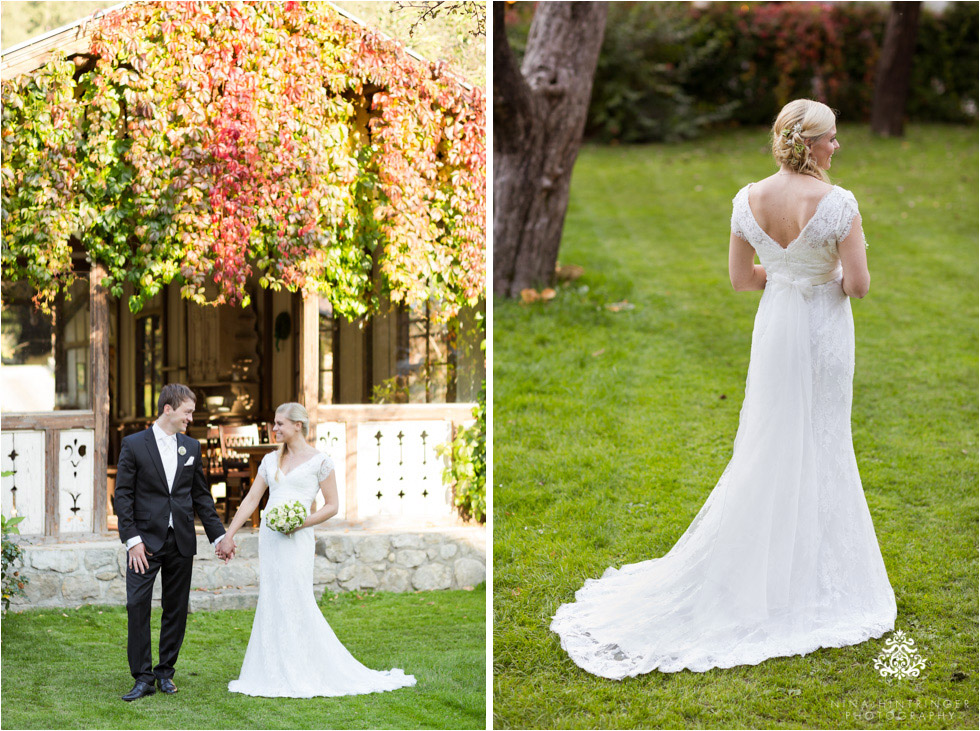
(895, 70)
(539, 113)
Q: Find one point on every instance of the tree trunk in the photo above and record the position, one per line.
(539, 113)
(895, 70)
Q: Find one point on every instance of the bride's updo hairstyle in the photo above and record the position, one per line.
(294, 412)
(797, 122)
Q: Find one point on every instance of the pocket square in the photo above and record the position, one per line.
(190, 461)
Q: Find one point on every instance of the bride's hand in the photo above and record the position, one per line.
(299, 527)
(226, 548)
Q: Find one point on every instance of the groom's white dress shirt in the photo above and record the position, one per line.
(167, 445)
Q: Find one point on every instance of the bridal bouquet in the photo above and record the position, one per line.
(286, 516)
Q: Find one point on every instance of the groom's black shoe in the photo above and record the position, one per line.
(139, 690)
(167, 685)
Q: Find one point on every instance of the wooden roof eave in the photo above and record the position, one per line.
(68, 40)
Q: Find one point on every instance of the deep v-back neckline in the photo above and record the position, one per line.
(296, 467)
(806, 225)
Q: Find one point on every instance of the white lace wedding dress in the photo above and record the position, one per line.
(782, 559)
(292, 651)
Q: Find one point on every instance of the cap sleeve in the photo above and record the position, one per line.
(267, 465)
(737, 228)
(326, 467)
(849, 211)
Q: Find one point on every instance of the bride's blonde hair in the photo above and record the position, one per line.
(294, 412)
(799, 121)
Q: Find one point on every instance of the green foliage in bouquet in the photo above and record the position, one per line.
(286, 517)
(466, 472)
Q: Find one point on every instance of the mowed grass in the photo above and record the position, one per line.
(67, 668)
(612, 427)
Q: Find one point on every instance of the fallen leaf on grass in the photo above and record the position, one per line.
(617, 306)
(568, 272)
(532, 295)
(529, 295)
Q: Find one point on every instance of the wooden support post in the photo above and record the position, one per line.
(309, 358)
(52, 478)
(350, 471)
(99, 368)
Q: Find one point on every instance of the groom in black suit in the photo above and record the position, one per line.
(160, 484)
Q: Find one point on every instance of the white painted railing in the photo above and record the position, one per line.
(51, 458)
(384, 455)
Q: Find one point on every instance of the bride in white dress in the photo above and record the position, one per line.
(782, 559)
(292, 651)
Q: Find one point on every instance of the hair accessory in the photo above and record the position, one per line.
(797, 128)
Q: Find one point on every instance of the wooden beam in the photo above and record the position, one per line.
(99, 368)
(52, 472)
(309, 358)
(395, 412)
(48, 420)
(350, 471)
(31, 58)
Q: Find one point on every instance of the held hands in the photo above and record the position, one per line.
(226, 549)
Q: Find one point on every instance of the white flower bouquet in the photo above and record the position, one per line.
(286, 516)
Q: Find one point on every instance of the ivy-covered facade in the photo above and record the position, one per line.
(266, 201)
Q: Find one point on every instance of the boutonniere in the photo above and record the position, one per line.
(181, 450)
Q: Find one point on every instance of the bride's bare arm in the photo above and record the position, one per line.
(328, 487)
(745, 274)
(854, 260)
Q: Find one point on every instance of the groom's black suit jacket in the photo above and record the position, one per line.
(143, 504)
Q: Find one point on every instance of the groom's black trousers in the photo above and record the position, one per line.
(175, 571)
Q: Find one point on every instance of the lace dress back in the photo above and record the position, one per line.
(782, 558)
(292, 651)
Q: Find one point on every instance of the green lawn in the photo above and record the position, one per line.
(612, 427)
(68, 669)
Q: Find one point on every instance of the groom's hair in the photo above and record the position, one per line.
(174, 394)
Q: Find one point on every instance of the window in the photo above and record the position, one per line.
(72, 354)
(45, 357)
(329, 342)
(426, 356)
(149, 363)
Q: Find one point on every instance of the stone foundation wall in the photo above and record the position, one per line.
(94, 571)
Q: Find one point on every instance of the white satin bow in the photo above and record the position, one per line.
(804, 285)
